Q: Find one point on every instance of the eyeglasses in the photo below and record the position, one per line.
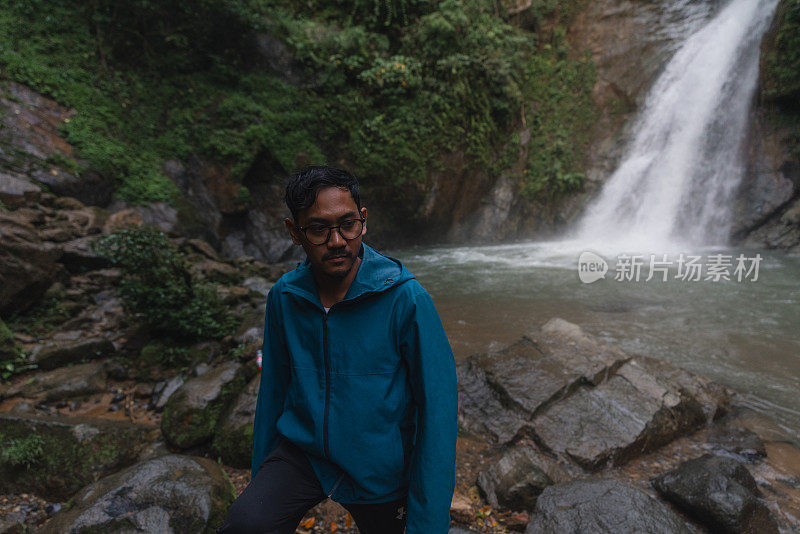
(319, 234)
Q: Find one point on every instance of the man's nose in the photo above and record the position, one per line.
(336, 240)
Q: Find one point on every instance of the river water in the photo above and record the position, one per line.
(744, 334)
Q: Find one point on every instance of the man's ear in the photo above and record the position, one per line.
(364, 216)
(293, 231)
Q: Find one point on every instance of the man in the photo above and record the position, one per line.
(358, 392)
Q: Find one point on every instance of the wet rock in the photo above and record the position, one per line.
(165, 494)
(233, 438)
(518, 477)
(215, 271)
(601, 506)
(192, 412)
(52, 355)
(78, 256)
(123, 219)
(56, 456)
(27, 265)
(30, 139)
(17, 191)
(164, 390)
(258, 284)
(461, 509)
(739, 441)
(629, 414)
(198, 245)
(499, 393)
(718, 492)
(62, 383)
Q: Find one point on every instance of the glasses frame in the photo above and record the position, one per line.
(330, 230)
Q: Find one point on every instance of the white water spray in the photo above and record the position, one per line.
(676, 181)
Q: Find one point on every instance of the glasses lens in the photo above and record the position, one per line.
(317, 234)
(351, 229)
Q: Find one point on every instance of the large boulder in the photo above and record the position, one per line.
(633, 412)
(167, 494)
(56, 456)
(581, 400)
(517, 478)
(54, 354)
(17, 191)
(233, 439)
(32, 145)
(192, 412)
(500, 393)
(601, 506)
(718, 492)
(27, 265)
(61, 383)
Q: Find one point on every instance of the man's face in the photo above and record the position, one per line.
(334, 259)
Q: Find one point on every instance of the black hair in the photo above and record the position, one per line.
(301, 192)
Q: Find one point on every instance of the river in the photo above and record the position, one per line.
(744, 334)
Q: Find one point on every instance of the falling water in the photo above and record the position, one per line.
(677, 178)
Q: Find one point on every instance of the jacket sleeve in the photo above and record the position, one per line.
(274, 384)
(432, 374)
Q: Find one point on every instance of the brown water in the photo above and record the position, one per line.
(743, 334)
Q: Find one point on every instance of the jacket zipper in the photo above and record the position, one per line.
(336, 485)
(327, 384)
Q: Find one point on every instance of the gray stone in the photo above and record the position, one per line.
(719, 493)
(192, 412)
(258, 284)
(601, 506)
(78, 256)
(52, 355)
(18, 191)
(517, 478)
(742, 442)
(55, 456)
(172, 493)
(27, 265)
(499, 393)
(164, 391)
(62, 383)
(629, 414)
(233, 438)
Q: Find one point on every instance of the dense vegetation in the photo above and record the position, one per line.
(387, 85)
(780, 74)
(158, 286)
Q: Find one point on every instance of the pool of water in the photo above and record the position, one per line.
(742, 333)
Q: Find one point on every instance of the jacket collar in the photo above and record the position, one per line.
(375, 274)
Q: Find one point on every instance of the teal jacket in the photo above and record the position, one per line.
(367, 390)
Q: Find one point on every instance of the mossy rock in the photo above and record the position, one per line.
(170, 493)
(56, 456)
(233, 439)
(191, 414)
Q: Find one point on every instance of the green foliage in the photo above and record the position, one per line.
(40, 319)
(12, 359)
(781, 68)
(388, 85)
(18, 452)
(157, 285)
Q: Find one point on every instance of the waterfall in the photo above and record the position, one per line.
(677, 177)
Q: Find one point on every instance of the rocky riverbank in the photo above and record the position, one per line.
(558, 432)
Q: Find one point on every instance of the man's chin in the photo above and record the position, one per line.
(340, 271)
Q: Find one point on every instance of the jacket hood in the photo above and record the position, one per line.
(376, 273)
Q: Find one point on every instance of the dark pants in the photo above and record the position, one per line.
(286, 487)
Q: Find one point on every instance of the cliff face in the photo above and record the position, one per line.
(628, 42)
(768, 205)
